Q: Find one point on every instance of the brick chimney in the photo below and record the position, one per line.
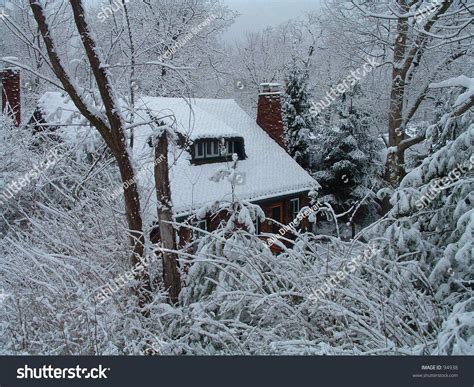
(269, 114)
(11, 94)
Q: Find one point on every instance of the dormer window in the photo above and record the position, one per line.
(212, 150)
(200, 150)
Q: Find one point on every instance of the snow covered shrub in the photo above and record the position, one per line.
(457, 334)
(434, 218)
(257, 303)
(63, 240)
(241, 298)
(24, 166)
(230, 244)
(431, 225)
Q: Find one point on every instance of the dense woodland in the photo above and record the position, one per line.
(392, 153)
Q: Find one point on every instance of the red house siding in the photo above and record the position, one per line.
(11, 94)
(281, 206)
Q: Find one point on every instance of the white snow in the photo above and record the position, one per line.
(461, 81)
(269, 171)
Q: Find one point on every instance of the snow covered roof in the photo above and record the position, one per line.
(268, 171)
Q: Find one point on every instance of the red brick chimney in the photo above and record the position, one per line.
(11, 94)
(269, 114)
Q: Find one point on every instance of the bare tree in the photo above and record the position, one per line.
(111, 126)
(421, 28)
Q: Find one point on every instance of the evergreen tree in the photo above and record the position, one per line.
(296, 112)
(431, 225)
(347, 163)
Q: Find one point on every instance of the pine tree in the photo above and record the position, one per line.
(348, 163)
(296, 112)
(431, 225)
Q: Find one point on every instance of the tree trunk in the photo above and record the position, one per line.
(395, 168)
(404, 67)
(111, 130)
(171, 276)
(135, 225)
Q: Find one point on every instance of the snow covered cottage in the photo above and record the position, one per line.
(268, 175)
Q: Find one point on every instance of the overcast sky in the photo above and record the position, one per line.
(258, 14)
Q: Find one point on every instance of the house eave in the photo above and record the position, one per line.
(182, 215)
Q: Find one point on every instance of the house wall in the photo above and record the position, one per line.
(267, 227)
(11, 94)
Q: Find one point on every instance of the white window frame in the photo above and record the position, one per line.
(196, 150)
(214, 148)
(294, 213)
(230, 147)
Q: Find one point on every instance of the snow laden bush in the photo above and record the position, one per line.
(228, 244)
(241, 298)
(64, 239)
(457, 334)
(431, 224)
(250, 301)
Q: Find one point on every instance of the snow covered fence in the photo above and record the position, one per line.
(344, 273)
(441, 184)
(17, 185)
(187, 38)
(344, 86)
(108, 11)
(304, 213)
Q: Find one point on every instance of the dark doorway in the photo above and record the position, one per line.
(276, 215)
